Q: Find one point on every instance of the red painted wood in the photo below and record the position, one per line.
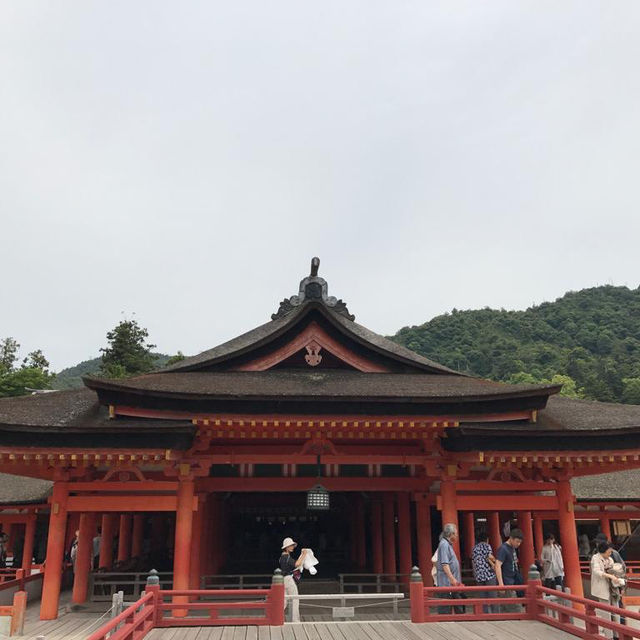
(27, 551)
(262, 485)
(505, 502)
(389, 533)
(124, 538)
(527, 553)
(182, 545)
(404, 533)
(55, 553)
(84, 558)
(122, 503)
(105, 560)
(423, 538)
(538, 535)
(495, 532)
(569, 537)
(469, 532)
(449, 502)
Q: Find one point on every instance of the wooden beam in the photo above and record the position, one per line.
(503, 503)
(496, 485)
(123, 503)
(257, 485)
(134, 486)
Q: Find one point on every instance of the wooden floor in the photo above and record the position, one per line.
(373, 630)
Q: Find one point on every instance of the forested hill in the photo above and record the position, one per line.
(592, 336)
(71, 377)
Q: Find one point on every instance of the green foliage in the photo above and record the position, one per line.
(589, 340)
(71, 378)
(32, 374)
(128, 353)
(177, 358)
(631, 390)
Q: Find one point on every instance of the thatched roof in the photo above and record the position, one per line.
(22, 490)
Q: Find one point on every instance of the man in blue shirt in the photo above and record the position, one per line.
(448, 565)
(507, 567)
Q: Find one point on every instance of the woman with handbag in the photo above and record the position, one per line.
(291, 571)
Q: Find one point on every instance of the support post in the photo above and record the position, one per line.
(196, 539)
(55, 552)
(105, 560)
(416, 595)
(124, 538)
(469, 532)
(27, 549)
(495, 537)
(276, 600)
(527, 554)
(450, 508)
(569, 538)
(84, 557)
(605, 525)
(404, 534)
(389, 532)
(182, 544)
(376, 536)
(137, 535)
(538, 535)
(423, 526)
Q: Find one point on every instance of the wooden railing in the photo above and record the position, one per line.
(16, 610)
(103, 584)
(373, 582)
(236, 581)
(633, 567)
(153, 610)
(578, 616)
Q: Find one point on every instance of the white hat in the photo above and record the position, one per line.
(287, 542)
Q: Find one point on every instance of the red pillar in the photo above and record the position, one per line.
(376, 536)
(196, 539)
(569, 538)
(106, 541)
(389, 533)
(469, 532)
(404, 533)
(425, 550)
(527, 553)
(605, 525)
(182, 544)
(55, 552)
(450, 508)
(27, 549)
(495, 535)
(137, 535)
(84, 557)
(538, 535)
(124, 538)
(213, 518)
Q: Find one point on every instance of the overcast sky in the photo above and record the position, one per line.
(183, 161)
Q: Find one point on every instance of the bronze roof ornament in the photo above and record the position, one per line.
(313, 288)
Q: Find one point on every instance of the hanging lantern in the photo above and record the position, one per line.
(318, 498)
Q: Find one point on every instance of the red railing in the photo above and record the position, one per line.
(19, 580)
(17, 609)
(153, 611)
(579, 616)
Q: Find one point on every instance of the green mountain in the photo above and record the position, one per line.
(71, 378)
(590, 336)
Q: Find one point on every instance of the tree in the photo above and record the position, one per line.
(177, 358)
(32, 374)
(631, 392)
(127, 353)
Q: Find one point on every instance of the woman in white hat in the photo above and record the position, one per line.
(291, 571)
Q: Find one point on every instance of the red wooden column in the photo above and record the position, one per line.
(425, 550)
(450, 508)
(55, 552)
(376, 536)
(569, 538)
(124, 538)
(137, 535)
(469, 532)
(389, 533)
(182, 544)
(196, 540)
(538, 535)
(605, 525)
(404, 533)
(495, 535)
(213, 515)
(84, 557)
(527, 553)
(105, 560)
(27, 550)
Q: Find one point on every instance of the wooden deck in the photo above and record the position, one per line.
(373, 630)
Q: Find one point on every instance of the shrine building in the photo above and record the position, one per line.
(314, 427)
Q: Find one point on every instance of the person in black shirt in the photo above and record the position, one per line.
(291, 571)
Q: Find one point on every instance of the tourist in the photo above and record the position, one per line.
(552, 563)
(483, 563)
(448, 566)
(291, 571)
(73, 554)
(602, 581)
(584, 548)
(4, 538)
(95, 549)
(508, 569)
